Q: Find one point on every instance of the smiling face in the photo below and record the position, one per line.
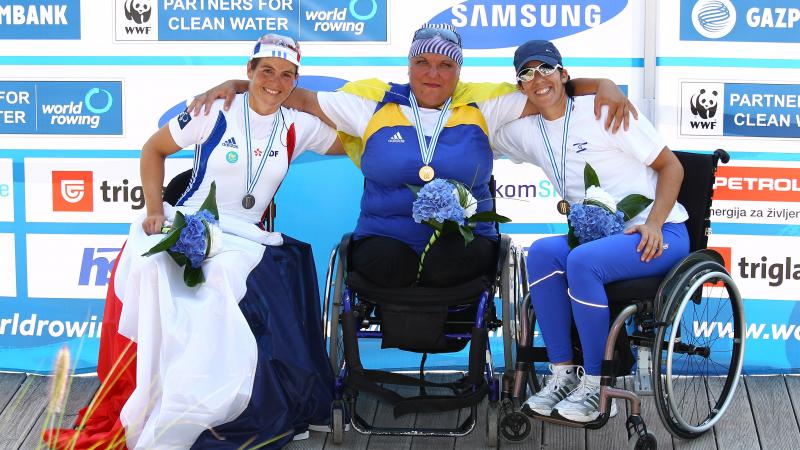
(548, 93)
(271, 81)
(433, 78)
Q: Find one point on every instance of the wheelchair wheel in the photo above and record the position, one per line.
(513, 288)
(646, 442)
(334, 331)
(337, 425)
(492, 420)
(702, 337)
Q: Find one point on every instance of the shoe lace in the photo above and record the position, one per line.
(554, 382)
(584, 389)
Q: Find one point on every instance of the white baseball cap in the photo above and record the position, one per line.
(277, 46)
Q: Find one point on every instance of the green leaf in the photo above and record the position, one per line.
(450, 227)
(434, 224)
(179, 258)
(210, 203)
(193, 276)
(171, 238)
(596, 203)
(590, 177)
(466, 232)
(572, 240)
(414, 189)
(633, 204)
(488, 216)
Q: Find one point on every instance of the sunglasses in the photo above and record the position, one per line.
(280, 41)
(444, 33)
(526, 75)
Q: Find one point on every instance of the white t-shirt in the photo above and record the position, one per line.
(352, 113)
(620, 159)
(221, 153)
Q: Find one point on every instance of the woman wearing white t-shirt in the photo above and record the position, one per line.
(231, 362)
(567, 284)
(407, 134)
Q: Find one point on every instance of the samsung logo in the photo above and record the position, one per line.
(498, 23)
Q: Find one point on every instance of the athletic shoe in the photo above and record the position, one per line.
(558, 386)
(582, 405)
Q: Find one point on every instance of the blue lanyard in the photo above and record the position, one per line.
(559, 175)
(252, 180)
(425, 150)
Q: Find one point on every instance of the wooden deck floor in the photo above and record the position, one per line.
(764, 415)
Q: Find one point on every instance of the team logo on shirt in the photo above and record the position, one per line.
(230, 142)
(581, 146)
(232, 157)
(397, 138)
(184, 118)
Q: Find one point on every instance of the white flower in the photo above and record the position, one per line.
(215, 236)
(466, 200)
(597, 194)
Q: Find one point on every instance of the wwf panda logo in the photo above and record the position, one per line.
(704, 104)
(138, 10)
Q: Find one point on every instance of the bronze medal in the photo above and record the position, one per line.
(426, 173)
(248, 201)
(563, 207)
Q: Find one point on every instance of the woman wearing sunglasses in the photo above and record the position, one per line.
(434, 126)
(223, 364)
(567, 284)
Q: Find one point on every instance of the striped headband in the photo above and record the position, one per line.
(441, 39)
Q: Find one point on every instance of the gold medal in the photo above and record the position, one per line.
(426, 173)
(563, 207)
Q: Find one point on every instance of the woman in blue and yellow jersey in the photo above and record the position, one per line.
(401, 134)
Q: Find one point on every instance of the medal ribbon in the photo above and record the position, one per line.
(560, 176)
(425, 150)
(251, 179)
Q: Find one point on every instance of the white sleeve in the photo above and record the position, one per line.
(349, 112)
(188, 130)
(510, 141)
(312, 134)
(501, 110)
(640, 140)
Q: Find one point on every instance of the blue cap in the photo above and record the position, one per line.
(543, 51)
(440, 38)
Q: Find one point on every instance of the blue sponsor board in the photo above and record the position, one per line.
(40, 19)
(61, 107)
(508, 23)
(740, 20)
(762, 110)
(343, 20)
(309, 20)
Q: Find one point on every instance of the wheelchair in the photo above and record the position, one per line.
(457, 316)
(677, 358)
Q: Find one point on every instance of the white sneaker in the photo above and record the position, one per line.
(558, 386)
(582, 405)
(326, 428)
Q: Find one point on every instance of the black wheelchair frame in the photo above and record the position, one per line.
(347, 316)
(658, 306)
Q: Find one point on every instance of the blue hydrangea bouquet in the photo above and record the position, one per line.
(598, 216)
(193, 238)
(448, 207)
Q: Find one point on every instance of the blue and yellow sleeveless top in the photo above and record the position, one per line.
(389, 157)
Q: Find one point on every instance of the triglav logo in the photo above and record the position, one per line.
(500, 23)
(138, 10)
(713, 18)
(701, 103)
(72, 191)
